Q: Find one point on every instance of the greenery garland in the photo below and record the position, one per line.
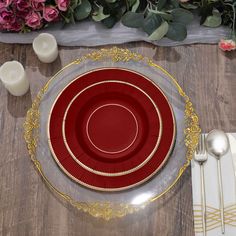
(158, 18)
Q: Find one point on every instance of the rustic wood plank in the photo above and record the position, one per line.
(27, 207)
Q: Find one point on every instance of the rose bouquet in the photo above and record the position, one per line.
(26, 15)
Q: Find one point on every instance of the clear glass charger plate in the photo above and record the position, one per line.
(105, 204)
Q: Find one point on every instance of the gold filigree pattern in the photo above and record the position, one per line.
(213, 219)
(108, 210)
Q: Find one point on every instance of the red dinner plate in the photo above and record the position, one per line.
(111, 129)
(107, 131)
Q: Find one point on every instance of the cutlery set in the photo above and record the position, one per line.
(216, 144)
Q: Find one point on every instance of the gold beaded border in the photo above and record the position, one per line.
(107, 210)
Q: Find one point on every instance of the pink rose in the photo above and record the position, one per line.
(22, 13)
(50, 13)
(63, 4)
(5, 3)
(33, 20)
(22, 4)
(6, 16)
(37, 5)
(16, 26)
(227, 44)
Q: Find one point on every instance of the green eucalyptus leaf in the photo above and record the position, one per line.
(151, 22)
(164, 15)
(109, 22)
(213, 21)
(132, 19)
(160, 32)
(188, 6)
(177, 32)
(182, 16)
(135, 6)
(83, 10)
(99, 15)
(161, 4)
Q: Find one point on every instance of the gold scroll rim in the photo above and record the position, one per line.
(106, 210)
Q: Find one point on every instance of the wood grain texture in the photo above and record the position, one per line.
(28, 207)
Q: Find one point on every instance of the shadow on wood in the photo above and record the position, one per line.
(18, 106)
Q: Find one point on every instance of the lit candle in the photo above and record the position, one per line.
(45, 47)
(13, 76)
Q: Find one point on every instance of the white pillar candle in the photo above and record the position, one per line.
(45, 47)
(13, 76)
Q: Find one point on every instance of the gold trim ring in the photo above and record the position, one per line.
(100, 172)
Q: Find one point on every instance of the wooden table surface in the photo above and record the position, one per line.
(28, 207)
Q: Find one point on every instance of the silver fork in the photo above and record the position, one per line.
(200, 156)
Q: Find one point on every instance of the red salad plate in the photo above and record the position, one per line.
(106, 126)
(111, 129)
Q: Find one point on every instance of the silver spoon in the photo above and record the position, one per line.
(217, 144)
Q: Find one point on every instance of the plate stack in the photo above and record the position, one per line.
(111, 129)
